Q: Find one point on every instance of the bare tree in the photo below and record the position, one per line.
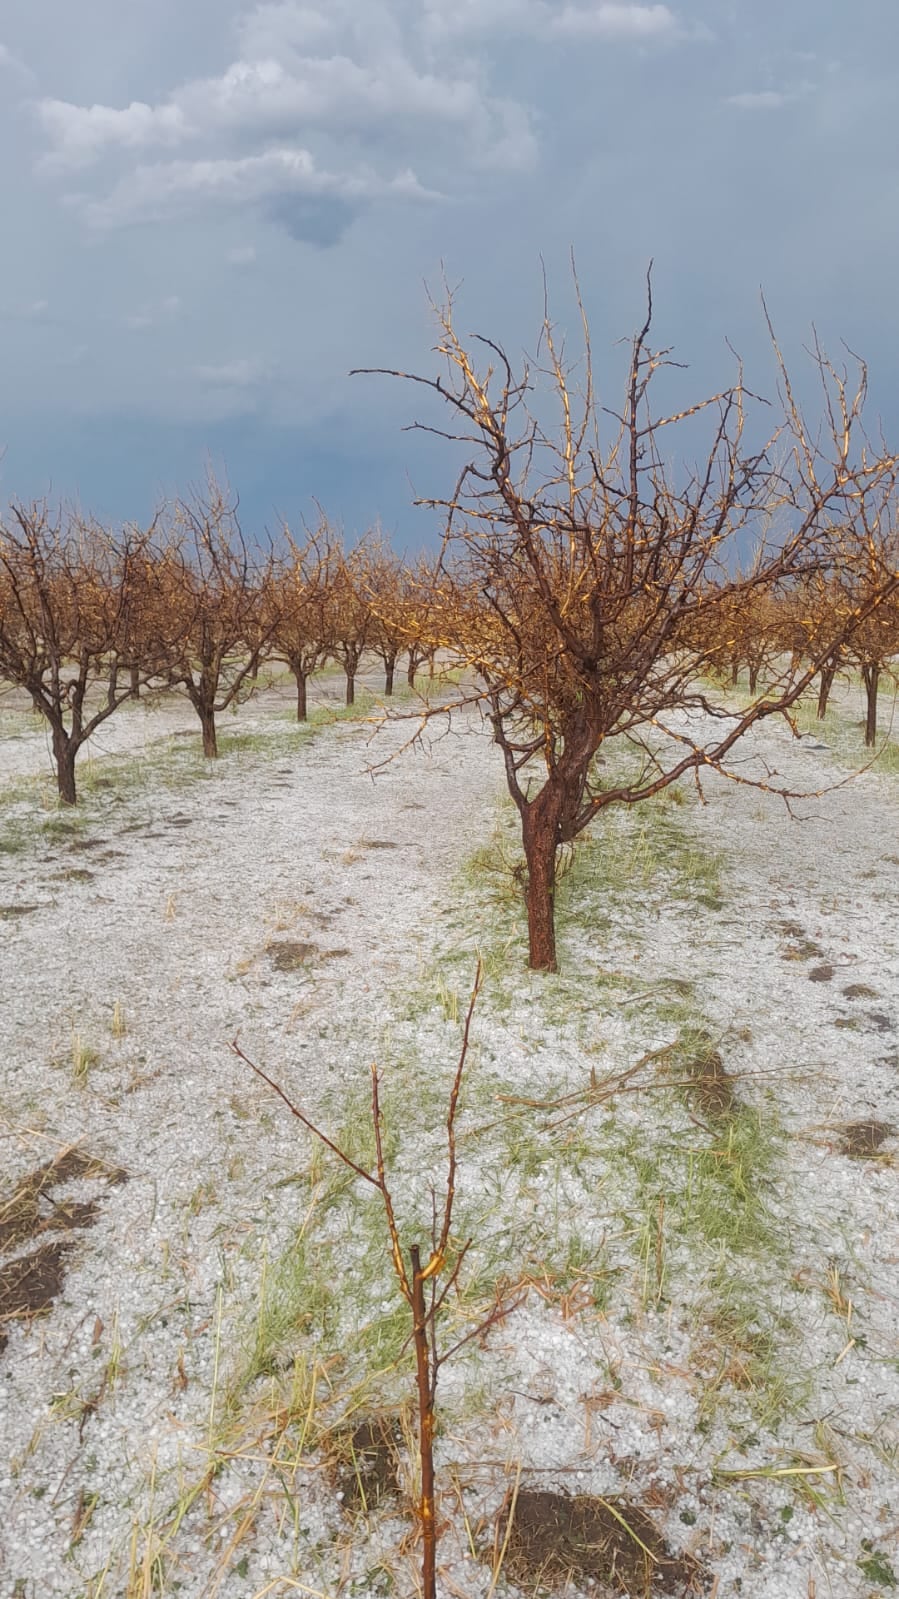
(425, 1285)
(350, 615)
(874, 638)
(578, 567)
(808, 614)
(382, 578)
(299, 607)
(211, 591)
(71, 601)
(420, 600)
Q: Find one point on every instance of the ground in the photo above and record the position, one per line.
(676, 1166)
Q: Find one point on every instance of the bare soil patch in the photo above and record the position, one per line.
(612, 1544)
(30, 1283)
(365, 1462)
(863, 1140)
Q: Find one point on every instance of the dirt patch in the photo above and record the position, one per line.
(81, 845)
(378, 843)
(556, 1539)
(880, 1022)
(365, 1461)
(862, 1140)
(180, 821)
(821, 974)
(859, 991)
(800, 947)
(290, 956)
(74, 874)
(30, 1284)
(710, 1086)
(31, 1210)
(8, 913)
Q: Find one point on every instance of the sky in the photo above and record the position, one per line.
(213, 211)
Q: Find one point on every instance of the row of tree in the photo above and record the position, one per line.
(88, 618)
(592, 588)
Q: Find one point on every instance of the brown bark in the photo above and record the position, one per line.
(351, 688)
(64, 753)
(207, 723)
(389, 668)
(753, 678)
(539, 826)
(828, 673)
(425, 1429)
(134, 678)
(871, 675)
(301, 695)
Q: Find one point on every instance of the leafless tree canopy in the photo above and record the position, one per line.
(589, 580)
(72, 601)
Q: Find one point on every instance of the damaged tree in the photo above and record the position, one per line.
(583, 574)
(424, 1284)
(72, 602)
(298, 608)
(210, 604)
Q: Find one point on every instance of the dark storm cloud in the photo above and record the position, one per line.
(339, 153)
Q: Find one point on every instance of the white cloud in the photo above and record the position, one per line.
(79, 134)
(613, 21)
(355, 88)
(173, 189)
(240, 374)
(325, 102)
(444, 18)
(763, 100)
(607, 19)
(767, 99)
(266, 98)
(270, 29)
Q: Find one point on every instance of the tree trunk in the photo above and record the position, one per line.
(539, 837)
(871, 675)
(301, 681)
(210, 742)
(753, 678)
(351, 688)
(828, 673)
(735, 672)
(64, 753)
(426, 1509)
(411, 671)
(389, 667)
(135, 680)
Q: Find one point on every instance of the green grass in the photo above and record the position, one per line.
(844, 735)
(32, 817)
(842, 727)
